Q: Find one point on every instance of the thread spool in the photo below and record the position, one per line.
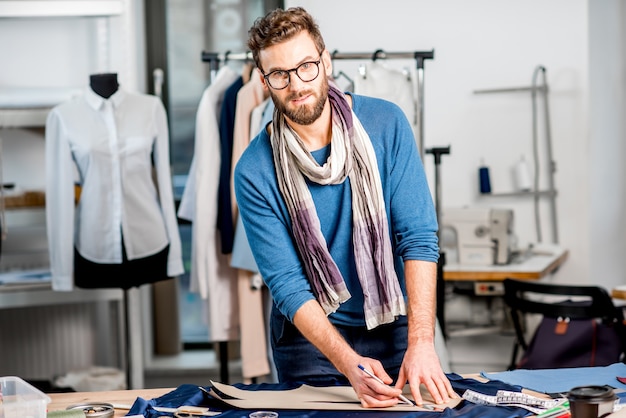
(483, 178)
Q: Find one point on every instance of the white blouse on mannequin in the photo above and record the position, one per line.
(114, 144)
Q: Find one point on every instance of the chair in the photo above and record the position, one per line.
(574, 303)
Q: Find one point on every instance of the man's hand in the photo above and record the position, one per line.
(421, 365)
(370, 392)
(311, 320)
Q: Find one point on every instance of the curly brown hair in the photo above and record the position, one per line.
(281, 25)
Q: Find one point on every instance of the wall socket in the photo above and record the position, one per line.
(489, 288)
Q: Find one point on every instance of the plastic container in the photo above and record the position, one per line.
(21, 400)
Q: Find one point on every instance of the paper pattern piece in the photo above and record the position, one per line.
(334, 398)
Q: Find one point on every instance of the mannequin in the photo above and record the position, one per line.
(123, 231)
(104, 84)
(130, 273)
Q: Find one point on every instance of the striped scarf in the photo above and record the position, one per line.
(351, 155)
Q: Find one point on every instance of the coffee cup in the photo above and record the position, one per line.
(591, 401)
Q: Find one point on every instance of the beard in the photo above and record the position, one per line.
(304, 114)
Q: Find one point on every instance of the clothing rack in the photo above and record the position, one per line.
(214, 59)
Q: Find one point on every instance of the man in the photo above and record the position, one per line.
(339, 217)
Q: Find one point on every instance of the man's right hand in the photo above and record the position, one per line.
(312, 322)
(371, 392)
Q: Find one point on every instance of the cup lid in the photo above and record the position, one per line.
(591, 393)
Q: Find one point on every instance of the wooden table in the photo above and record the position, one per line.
(542, 260)
(60, 401)
(117, 397)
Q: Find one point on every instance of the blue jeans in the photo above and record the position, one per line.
(297, 360)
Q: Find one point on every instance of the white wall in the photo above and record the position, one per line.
(606, 147)
(492, 44)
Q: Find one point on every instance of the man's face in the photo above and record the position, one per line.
(301, 102)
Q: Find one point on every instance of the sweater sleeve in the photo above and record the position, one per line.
(59, 203)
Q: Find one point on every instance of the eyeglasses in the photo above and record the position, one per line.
(307, 71)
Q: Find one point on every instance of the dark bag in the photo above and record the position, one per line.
(559, 343)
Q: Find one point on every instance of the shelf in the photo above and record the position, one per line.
(511, 90)
(25, 107)
(23, 118)
(27, 199)
(548, 193)
(83, 8)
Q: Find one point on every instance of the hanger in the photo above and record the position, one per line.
(379, 53)
(341, 73)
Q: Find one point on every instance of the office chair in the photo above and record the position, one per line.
(575, 304)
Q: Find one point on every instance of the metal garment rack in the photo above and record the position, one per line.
(214, 59)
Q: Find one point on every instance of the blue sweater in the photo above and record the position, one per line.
(410, 210)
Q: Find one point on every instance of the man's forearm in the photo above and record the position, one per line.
(312, 322)
(421, 287)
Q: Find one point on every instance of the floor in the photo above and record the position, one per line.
(474, 345)
(196, 367)
(467, 354)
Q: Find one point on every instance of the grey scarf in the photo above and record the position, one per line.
(352, 155)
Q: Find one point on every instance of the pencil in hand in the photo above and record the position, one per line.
(372, 375)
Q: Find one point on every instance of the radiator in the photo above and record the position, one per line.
(44, 342)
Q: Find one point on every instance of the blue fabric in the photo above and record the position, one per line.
(297, 360)
(408, 201)
(191, 395)
(227, 128)
(562, 380)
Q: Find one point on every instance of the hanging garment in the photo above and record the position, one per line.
(114, 144)
(211, 274)
(242, 257)
(393, 85)
(225, 220)
(254, 360)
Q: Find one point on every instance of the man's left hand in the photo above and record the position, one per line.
(421, 365)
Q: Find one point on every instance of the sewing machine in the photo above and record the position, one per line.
(484, 236)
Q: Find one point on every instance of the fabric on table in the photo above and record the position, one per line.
(193, 396)
(562, 380)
